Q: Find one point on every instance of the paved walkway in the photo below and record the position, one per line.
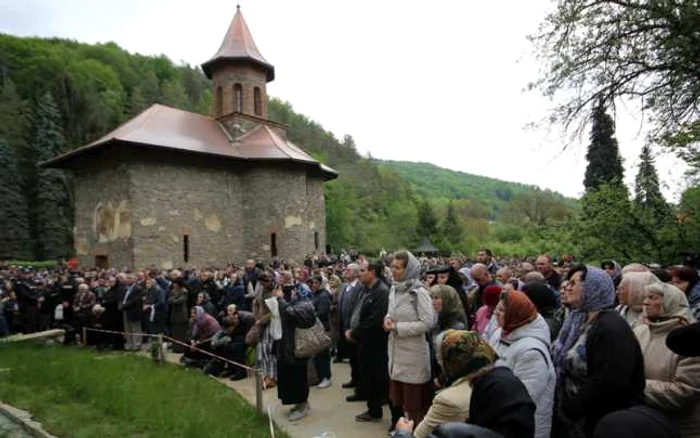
(330, 413)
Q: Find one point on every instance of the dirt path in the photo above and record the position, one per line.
(330, 413)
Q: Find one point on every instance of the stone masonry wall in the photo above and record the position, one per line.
(286, 202)
(103, 222)
(173, 199)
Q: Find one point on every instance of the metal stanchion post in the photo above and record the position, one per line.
(259, 391)
(84, 337)
(161, 353)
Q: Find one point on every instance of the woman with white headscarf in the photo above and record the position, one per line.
(409, 319)
(672, 381)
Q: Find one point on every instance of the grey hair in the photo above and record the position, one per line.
(354, 268)
(534, 277)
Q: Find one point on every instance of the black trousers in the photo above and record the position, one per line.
(373, 365)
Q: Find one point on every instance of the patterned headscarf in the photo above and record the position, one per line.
(464, 353)
(598, 294)
(198, 319)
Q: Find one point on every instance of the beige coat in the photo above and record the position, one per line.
(673, 382)
(450, 404)
(409, 352)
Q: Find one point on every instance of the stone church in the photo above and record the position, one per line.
(172, 188)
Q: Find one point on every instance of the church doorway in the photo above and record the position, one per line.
(102, 261)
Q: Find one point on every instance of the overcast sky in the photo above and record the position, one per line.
(438, 81)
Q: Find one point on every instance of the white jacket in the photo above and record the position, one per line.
(526, 352)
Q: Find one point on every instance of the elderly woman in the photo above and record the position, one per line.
(672, 381)
(409, 318)
(599, 364)
(631, 293)
(485, 395)
(523, 344)
(448, 308)
(204, 327)
(686, 279)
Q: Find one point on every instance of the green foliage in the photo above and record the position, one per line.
(640, 51)
(427, 221)
(603, 156)
(78, 393)
(14, 232)
(53, 209)
(451, 227)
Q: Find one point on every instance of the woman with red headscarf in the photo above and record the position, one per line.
(523, 345)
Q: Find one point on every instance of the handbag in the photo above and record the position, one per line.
(310, 341)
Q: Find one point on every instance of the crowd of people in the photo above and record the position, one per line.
(454, 347)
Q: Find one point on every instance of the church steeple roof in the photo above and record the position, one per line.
(238, 45)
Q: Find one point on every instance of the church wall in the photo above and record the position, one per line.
(103, 224)
(285, 202)
(174, 199)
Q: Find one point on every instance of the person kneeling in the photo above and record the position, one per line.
(230, 344)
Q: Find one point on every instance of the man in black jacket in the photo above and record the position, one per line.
(29, 301)
(367, 330)
(132, 308)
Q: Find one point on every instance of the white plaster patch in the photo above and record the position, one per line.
(213, 223)
(174, 212)
(197, 215)
(312, 225)
(161, 229)
(266, 247)
(166, 265)
(148, 221)
(174, 238)
(292, 221)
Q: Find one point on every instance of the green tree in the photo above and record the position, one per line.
(451, 228)
(427, 220)
(604, 163)
(647, 52)
(52, 206)
(14, 233)
(647, 194)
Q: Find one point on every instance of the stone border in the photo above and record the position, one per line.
(24, 420)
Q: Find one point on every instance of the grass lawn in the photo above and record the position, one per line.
(81, 393)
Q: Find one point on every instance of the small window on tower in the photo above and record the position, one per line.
(218, 101)
(257, 101)
(238, 95)
(316, 240)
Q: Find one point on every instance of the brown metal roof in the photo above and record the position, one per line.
(171, 128)
(238, 44)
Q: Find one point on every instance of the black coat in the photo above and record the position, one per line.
(297, 314)
(615, 372)
(370, 333)
(322, 306)
(133, 306)
(501, 403)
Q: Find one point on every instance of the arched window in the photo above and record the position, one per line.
(257, 101)
(238, 96)
(316, 240)
(218, 101)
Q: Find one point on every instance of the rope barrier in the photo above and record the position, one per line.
(190, 346)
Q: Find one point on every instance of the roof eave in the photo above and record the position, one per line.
(269, 69)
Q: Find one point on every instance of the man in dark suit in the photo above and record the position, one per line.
(349, 292)
(132, 308)
(368, 331)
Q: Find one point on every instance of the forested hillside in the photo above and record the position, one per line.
(56, 95)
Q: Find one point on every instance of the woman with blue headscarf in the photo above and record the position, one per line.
(599, 364)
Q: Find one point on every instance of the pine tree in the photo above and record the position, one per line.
(604, 162)
(427, 220)
(648, 199)
(52, 203)
(14, 232)
(451, 228)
